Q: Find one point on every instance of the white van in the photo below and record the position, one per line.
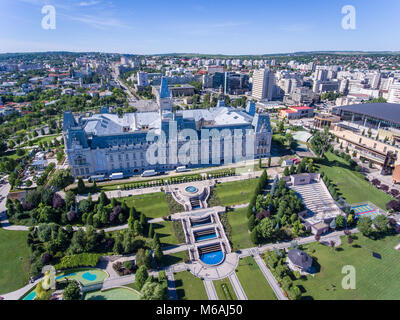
(182, 169)
(149, 173)
(116, 176)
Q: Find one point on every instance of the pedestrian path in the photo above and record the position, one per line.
(237, 287)
(270, 278)
(210, 289)
(171, 285)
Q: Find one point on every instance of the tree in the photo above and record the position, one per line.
(138, 228)
(364, 225)
(141, 277)
(140, 257)
(381, 223)
(269, 162)
(70, 199)
(62, 178)
(103, 200)
(286, 171)
(158, 254)
(151, 231)
(254, 236)
(148, 259)
(152, 291)
(251, 223)
(81, 186)
(339, 221)
(266, 228)
(72, 292)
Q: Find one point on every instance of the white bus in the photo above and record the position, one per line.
(149, 173)
(97, 178)
(182, 169)
(116, 176)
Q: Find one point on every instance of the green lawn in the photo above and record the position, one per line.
(166, 233)
(238, 192)
(13, 271)
(240, 235)
(189, 287)
(220, 292)
(174, 258)
(352, 185)
(48, 139)
(376, 279)
(253, 281)
(153, 205)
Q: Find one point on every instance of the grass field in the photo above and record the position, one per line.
(153, 205)
(174, 258)
(188, 287)
(13, 271)
(166, 233)
(112, 294)
(220, 292)
(352, 185)
(376, 279)
(240, 235)
(237, 192)
(253, 281)
(48, 139)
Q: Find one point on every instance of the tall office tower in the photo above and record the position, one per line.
(263, 84)
(394, 93)
(321, 75)
(375, 81)
(142, 79)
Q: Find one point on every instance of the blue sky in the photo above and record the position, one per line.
(217, 26)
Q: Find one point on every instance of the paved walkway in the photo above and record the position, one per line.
(270, 278)
(237, 287)
(173, 295)
(210, 289)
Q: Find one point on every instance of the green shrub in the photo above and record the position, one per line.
(78, 260)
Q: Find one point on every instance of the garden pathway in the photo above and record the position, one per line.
(210, 289)
(270, 278)
(237, 287)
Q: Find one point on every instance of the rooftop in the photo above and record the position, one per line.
(385, 111)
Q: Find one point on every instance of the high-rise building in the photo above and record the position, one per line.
(394, 93)
(263, 84)
(142, 79)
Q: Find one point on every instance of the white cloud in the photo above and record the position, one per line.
(98, 22)
(88, 3)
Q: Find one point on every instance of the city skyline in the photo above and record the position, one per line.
(210, 28)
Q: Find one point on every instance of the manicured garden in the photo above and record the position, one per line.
(237, 192)
(153, 205)
(376, 278)
(189, 287)
(14, 263)
(351, 184)
(113, 294)
(224, 289)
(240, 232)
(253, 281)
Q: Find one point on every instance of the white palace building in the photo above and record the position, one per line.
(106, 143)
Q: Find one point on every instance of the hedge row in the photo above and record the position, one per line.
(78, 260)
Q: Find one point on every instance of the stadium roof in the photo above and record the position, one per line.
(385, 111)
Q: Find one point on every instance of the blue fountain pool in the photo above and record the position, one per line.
(212, 258)
(31, 296)
(206, 237)
(191, 189)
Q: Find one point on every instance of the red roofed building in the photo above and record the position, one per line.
(296, 112)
